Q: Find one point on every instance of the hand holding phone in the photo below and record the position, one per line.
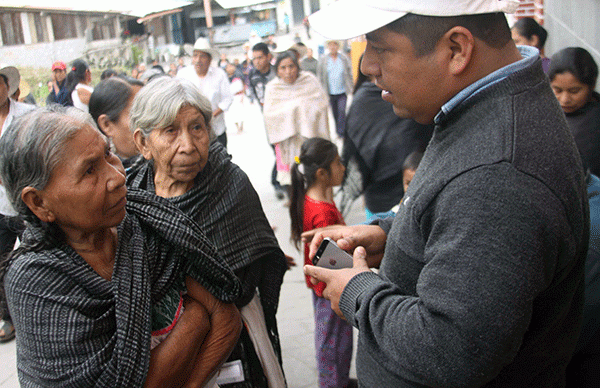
(329, 255)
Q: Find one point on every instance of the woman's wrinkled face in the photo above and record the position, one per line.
(86, 191)
(287, 71)
(179, 151)
(571, 94)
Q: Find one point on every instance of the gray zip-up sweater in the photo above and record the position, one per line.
(481, 283)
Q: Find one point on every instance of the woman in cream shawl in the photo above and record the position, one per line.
(295, 109)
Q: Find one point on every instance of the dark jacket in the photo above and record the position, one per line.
(481, 283)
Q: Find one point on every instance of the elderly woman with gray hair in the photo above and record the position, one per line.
(100, 267)
(171, 124)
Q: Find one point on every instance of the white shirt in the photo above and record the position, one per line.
(75, 97)
(215, 86)
(15, 109)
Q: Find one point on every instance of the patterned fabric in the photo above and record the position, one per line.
(333, 335)
(333, 345)
(77, 329)
(228, 209)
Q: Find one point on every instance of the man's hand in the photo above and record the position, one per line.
(371, 237)
(337, 279)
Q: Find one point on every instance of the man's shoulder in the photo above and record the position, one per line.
(187, 72)
(218, 74)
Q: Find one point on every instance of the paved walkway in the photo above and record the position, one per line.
(251, 151)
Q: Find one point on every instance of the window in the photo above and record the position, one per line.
(64, 26)
(12, 30)
(39, 27)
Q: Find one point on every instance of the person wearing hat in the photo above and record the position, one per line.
(212, 82)
(480, 279)
(335, 73)
(23, 93)
(59, 92)
(10, 225)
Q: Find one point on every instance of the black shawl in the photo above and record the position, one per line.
(76, 329)
(228, 209)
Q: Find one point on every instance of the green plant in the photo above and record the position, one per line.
(137, 54)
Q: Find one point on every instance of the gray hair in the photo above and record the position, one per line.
(33, 145)
(157, 104)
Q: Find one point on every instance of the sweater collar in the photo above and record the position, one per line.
(529, 54)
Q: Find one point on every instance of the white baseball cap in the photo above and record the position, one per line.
(345, 19)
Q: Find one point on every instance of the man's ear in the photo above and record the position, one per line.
(535, 40)
(104, 124)
(35, 202)
(142, 144)
(460, 44)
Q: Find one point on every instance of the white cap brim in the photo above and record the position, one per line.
(348, 19)
(345, 19)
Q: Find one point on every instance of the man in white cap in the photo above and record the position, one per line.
(212, 82)
(480, 277)
(10, 227)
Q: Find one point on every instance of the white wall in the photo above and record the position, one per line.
(573, 23)
(43, 55)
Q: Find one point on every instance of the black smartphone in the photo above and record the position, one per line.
(329, 255)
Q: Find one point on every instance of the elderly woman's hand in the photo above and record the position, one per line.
(226, 326)
(176, 357)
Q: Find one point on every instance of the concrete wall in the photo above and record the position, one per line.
(573, 23)
(43, 55)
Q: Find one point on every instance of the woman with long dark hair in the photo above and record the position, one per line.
(79, 81)
(110, 104)
(573, 74)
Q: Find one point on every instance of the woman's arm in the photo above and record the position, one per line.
(174, 359)
(225, 324)
(84, 95)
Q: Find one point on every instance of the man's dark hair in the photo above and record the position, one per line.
(528, 27)
(261, 47)
(425, 31)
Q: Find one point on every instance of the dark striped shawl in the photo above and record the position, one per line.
(226, 206)
(76, 329)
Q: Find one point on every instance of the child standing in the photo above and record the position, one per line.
(317, 169)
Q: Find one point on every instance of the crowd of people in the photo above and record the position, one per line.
(139, 254)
